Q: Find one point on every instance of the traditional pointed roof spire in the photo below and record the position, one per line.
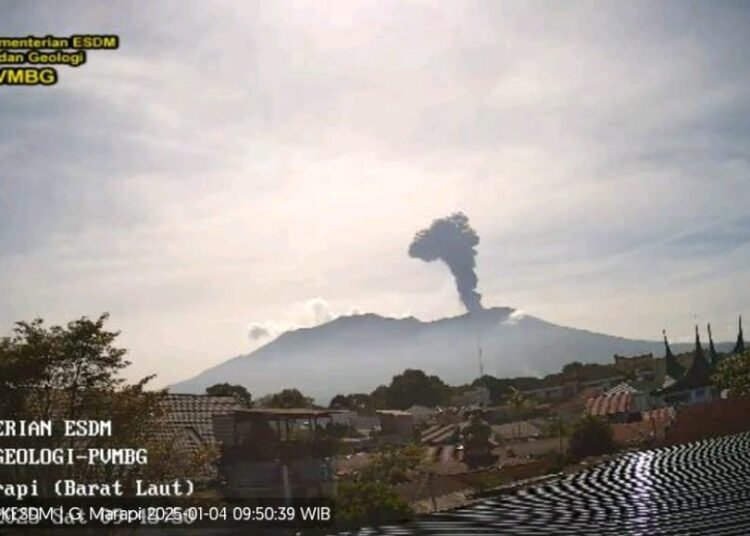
(697, 375)
(668, 350)
(672, 368)
(712, 354)
(740, 346)
(698, 345)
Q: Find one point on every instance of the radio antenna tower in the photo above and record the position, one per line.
(479, 348)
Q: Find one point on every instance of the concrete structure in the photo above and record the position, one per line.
(421, 414)
(396, 423)
(275, 453)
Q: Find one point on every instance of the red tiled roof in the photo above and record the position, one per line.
(620, 402)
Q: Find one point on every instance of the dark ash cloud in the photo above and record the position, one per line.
(453, 241)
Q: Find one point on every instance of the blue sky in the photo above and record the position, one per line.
(266, 164)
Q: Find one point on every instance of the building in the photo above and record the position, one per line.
(479, 396)
(275, 453)
(514, 431)
(421, 414)
(396, 423)
(686, 386)
(639, 367)
(622, 403)
(187, 424)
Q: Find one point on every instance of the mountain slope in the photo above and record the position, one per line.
(358, 353)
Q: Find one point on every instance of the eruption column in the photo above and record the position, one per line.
(453, 241)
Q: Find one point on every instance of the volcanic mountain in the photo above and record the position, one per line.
(357, 353)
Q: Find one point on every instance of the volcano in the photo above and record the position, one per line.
(357, 353)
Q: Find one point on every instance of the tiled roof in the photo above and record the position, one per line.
(191, 416)
(620, 402)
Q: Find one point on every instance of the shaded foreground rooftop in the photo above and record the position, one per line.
(695, 488)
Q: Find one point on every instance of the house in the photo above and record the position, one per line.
(550, 393)
(275, 452)
(685, 386)
(571, 409)
(187, 423)
(606, 382)
(479, 396)
(421, 414)
(574, 378)
(639, 367)
(361, 422)
(396, 423)
(622, 403)
(520, 430)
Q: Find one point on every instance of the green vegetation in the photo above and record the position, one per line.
(287, 398)
(733, 373)
(370, 499)
(393, 464)
(227, 389)
(369, 503)
(413, 387)
(360, 402)
(477, 443)
(490, 481)
(591, 436)
(73, 372)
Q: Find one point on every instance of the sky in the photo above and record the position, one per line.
(237, 169)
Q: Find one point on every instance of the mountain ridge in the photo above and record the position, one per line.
(356, 353)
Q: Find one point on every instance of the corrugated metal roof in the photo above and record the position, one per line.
(438, 433)
(516, 430)
(696, 488)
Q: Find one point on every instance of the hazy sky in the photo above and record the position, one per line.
(238, 168)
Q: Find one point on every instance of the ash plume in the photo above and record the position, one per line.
(453, 241)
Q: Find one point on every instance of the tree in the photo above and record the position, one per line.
(393, 464)
(287, 398)
(73, 372)
(415, 387)
(360, 503)
(591, 436)
(227, 389)
(477, 440)
(733, 373)
(361, 402)
(572, 368)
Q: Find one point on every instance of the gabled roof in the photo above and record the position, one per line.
(610, 404)
(739, 347)
(673, 369)
(697, 375)
(190, 416)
